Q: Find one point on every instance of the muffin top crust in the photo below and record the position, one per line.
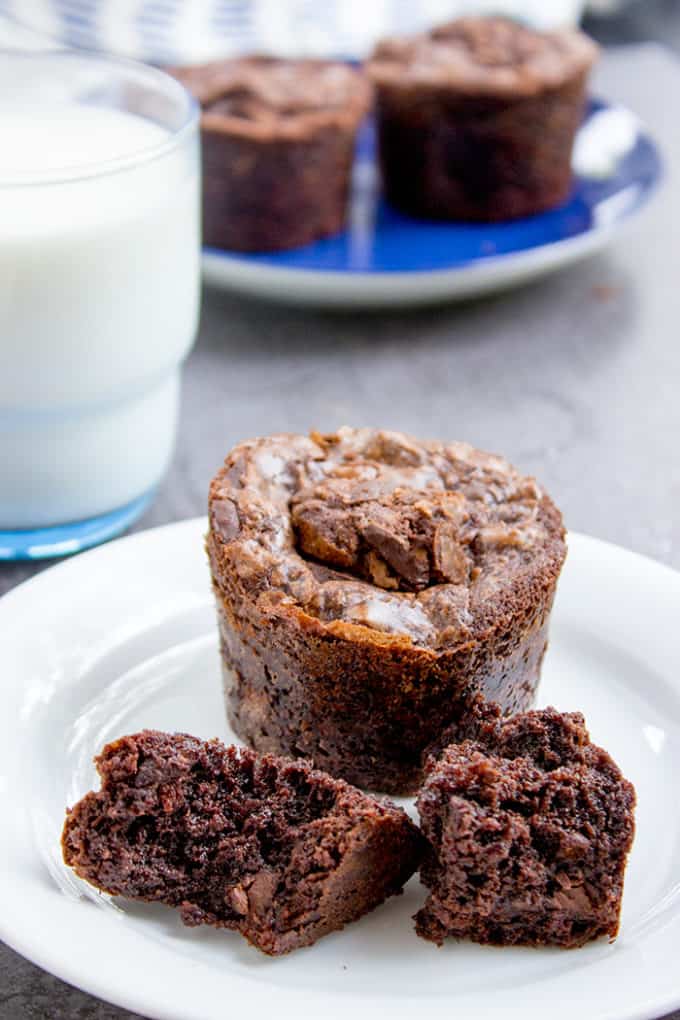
(262, 95)
(427, 542)
(483, 55)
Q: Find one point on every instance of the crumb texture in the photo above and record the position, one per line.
(529, 825)
(280, 852)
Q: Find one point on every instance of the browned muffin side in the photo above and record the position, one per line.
(278, 145)
(368, 584)
(271, 848)
(529, 827)
(477, 118)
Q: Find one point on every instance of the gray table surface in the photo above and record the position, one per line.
(575, 379)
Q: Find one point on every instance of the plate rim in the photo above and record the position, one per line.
(56, 961)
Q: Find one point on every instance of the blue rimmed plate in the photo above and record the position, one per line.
(385, 258)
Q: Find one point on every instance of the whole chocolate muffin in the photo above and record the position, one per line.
(368, 585)
(278, 145)
(271, 848)
(529, 827)
(477, 118)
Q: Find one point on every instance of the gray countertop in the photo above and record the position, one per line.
(576, 379)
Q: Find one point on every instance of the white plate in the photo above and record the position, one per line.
(124, 637)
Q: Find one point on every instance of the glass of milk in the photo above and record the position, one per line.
(99, 292)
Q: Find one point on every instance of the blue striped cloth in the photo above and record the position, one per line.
(186, 31)
(161, 31)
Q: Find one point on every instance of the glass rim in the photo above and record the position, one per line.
(165, 83)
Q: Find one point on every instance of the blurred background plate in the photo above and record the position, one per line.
(388, 259)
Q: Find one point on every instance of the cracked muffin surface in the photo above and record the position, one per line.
(428, 567)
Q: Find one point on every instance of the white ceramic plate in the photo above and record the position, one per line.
(124, 637)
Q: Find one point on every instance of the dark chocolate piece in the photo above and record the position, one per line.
(529, 826)
(271, 848)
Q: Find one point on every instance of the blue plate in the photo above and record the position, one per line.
(385, 257)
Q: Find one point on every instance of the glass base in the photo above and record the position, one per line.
(64, 539)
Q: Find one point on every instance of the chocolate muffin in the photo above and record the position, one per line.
(278, 145)
(268, 847)
(477, 118)
(529, 826)
(368, 585)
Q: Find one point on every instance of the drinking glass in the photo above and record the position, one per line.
(99, 292)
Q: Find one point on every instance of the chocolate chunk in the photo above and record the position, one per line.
(410, 562)
(325, 533)
(238, 899)
(393, 448)
(380, 573)
(262, 891)
(449, 559)
(225, 521)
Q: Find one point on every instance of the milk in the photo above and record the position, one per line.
(99, 274)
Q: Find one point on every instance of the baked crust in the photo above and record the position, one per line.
(362, 668)
(483, 56)
(278, 145)
(477, 119)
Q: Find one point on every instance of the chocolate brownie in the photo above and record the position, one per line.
(271, 848)
(367, 584)
(529, 826)
(477, 118)
(278, 145)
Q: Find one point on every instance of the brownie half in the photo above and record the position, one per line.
(278, 146)
(271, 848)
(367, 585)
(529, 826)
(477, 118)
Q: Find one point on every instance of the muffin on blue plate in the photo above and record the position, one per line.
(477, 118)
(278, 146)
